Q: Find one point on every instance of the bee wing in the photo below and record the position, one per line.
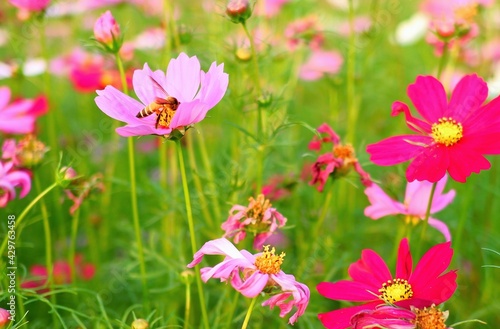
(158, 86)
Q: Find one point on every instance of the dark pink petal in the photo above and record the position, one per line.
(429, 165)
(370, 269)
(381, 204)
(485, 120)
(183, 77)
(39, 107)
(252, 286)
(464, 160)
(413, 123)
(341, 319)
(438, 290)
(486, 142)
(432, 264)
(429, 97)
(469, 94)
(404, 263)
(324, 128)
(397, 149)
(4, 97)
(348, 291)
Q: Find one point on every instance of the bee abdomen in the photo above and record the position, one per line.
(145, 112)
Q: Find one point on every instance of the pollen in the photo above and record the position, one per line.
(466, 13)
(268, 262)
(447, 131)
(344, 152)
(257, 208)
(165, 117)
(430, 318)
(395, 290)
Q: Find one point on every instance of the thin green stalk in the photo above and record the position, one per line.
(188, 305)
(444, 60)
(233, 308)
(191, 232)
(352, 110)
(25, 212)
(249, 313)
(72, 246)
(123, 77)
(255, 63)
(260, 169)
(137, 227)
(427, 214)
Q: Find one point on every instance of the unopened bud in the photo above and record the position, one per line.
(4, 318)
(243, 54)
(238, 10)
(140, 324)
(65, 176)
(107, 31)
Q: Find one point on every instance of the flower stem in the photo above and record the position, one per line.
(135, 217)
(72, 247)
(352, 111)
(189, 214)
(25, 212)
(444, 60)
(249, 313)
(427, 214)
(123, 78)
(255, 63)
(188, 305)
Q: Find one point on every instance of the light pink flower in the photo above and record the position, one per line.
(26, 153)
(415, 203)
(196, 91)
(4, 317)
(106, 30)
(258, 218)
(305, 30)
(31, 5)
(9, 180)
(269, 8)
(253, 274)
(19, 116)
(321, 63)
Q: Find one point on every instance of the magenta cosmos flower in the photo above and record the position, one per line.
(196, 92)
(390, 317)
(9, 180)
(374, 285)
(19, 117)
(337, 162)
(414, 205)
(258, 218)
(453, 136)
(31, 5)
(253, 274)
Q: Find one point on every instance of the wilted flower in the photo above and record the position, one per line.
(10, 179)
(79, 188)
(19, 116)
(390, 317)
(107, 31)
(453, 136)
(26, 153)
(373, 283)
(258, 218)
(196, 92)
(414, 206)
(254, 274)
(336, 163)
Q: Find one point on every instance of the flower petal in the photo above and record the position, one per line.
(252, 286)
(465, 160)
(468, 95)
(213, 85)
(119, 106)
(397, 149)
(404, 263)
(141, 130)
(341, 319)
(183, 77)
(381, 204)
(144, 87)
(429, 97)
(441, 227)
(348, 291)
(216, 247)
(429, 165)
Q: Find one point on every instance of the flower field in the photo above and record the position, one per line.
(249, 164)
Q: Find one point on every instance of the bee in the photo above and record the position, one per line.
(164, 108)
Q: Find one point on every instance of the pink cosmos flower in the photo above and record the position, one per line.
(269, 8)
(4, 317)
(337, 162)
(320, 63)
(19, 117)
(196, 92)
(253, 274)
(390, 317)
(106, 30)
(415, 203)
(9, 180)
(305, 30)
(279, 187)
(31, 5)
(257, 218)
(373, 283)
(26, 153)
(453, 136)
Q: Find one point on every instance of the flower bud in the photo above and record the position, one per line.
(140, 324)
(243, 54)
(4, 318)
(65, 176)
(238, 10)
(187, 277)
(106, 30)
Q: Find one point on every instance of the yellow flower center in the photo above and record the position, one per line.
(257, 208)
(268, 262)
(414, 220)
(447, 131)
(343, 151)
(395, 290)
(430, 318)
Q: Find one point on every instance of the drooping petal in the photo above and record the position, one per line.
(430, 165)
(441, 227)
(381, 204)
(223, 270)
(404, 263)
(183, 77)
(413, 123)
(252, 286)
(468, 95)
(341, 319)
(397, 149)
(20, 179)
(429, 97)
(119, 106)
(216, 247)
(347, 290)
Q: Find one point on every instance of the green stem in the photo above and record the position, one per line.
(352, 111)
(249, 313)
(188, 304)
(137, 227)
(191, 232)
(427, 214)
(444, 60)
(255, 63)
(72, 247)
(232, 309)
(123, 77)
(25, 212)
(260, 169)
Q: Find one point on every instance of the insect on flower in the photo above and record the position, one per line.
(163, 107)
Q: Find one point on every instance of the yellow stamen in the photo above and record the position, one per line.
(430, 318)
(395, 290)
(257, 208)
(344, 152)
(268, 262)
(447, 131)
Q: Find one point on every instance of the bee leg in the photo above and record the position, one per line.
(157, 120)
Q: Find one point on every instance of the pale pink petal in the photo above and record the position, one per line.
(141, 130)
(417, 196)
(121, 107)
(213, 85)
(223, 270)
(20, 179)
(144, 87)
(252, 286)
(4, 97)
(397, 149)
(468, 95)
(440, 200)
(216, 247)
(183, 77)
(441, 227)
(429, 97)
(381, 204)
